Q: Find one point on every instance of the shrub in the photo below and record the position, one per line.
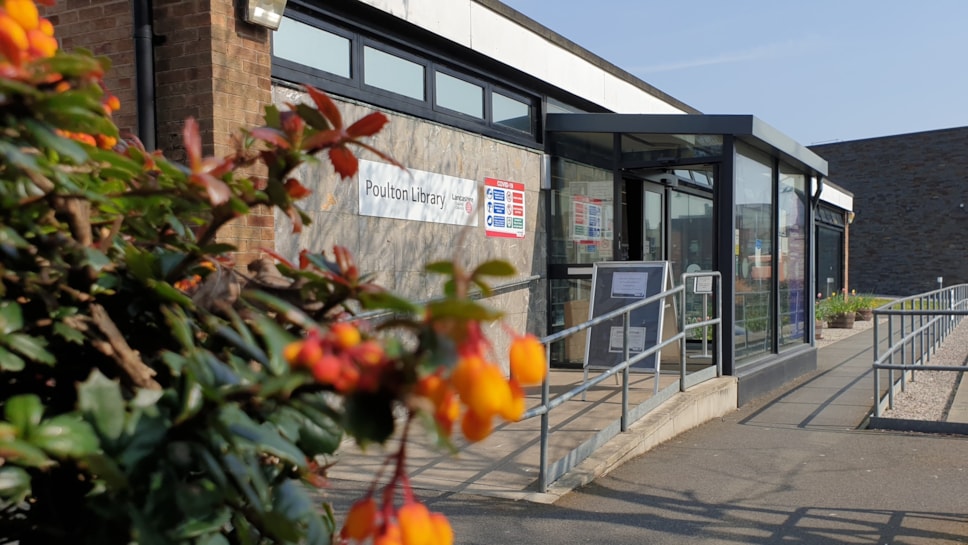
(152, 393)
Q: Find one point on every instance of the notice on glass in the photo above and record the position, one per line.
(629, 285)
(636, 339)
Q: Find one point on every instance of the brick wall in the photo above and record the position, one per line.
(106, 28)
(911, 203)
(209, 64)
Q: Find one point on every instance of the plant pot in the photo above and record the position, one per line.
(865, 314)
(842, 321)
(818, 329)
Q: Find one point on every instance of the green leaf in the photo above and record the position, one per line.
(68, 333)
(201, 526)
(318, 432)
(33, 348)
(25, 412)
(313, 117)
(65, 147)
(179, 324)
(170, 293)
(290, 312)
(95, 259)
(100, 398)
(369, 418)
(65, 436)
(212, 539)
(11, 317)
(441, 267)
(387, 301)
(107, 470)
(496, 267)
(14, 484)
(280, 526)
(276, 340)
(142, 265)
(264, 437)
(10, 361)
(24, 454)
(463, 309)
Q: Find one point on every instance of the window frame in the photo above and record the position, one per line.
(292, 72)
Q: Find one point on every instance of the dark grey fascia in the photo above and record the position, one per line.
(747, 128)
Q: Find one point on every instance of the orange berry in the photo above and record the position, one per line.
(432, 387)
(349, 377)
(45, 26)
(448, 410)
(105, 142)
(327, 369)
(24, 12)
(475, 427)
(389, 536)
(465, 372)
(291, 352)
(369, 353)
(41, 45)
(528, 364)
(443, 533)
(513, 411)
(415, 525)
(13, 39)
(345, 335)
(488, 393)
(360, 520)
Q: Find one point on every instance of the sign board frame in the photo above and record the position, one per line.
(616, 284)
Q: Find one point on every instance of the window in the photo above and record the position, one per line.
(304, 44)
(754, 253)
(385, 69)
(459, 95)
(511, 112)
(393, 73)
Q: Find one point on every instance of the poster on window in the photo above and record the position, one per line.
(586, 214)
(503, 208)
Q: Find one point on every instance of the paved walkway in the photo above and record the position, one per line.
(789, 468)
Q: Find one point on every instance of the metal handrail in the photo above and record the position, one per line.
(945, 307)
(575, 456)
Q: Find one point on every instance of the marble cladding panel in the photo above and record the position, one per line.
(397, 250)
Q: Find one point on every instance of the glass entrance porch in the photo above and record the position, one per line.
(706, 193)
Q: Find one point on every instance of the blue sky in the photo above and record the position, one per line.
(819, 71)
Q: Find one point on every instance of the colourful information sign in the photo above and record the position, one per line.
(503, 208)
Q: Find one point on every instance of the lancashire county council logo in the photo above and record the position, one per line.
(468, 207)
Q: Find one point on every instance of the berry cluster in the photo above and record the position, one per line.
(481, 387)
(411, 524)
(24, 34)
(340, 358)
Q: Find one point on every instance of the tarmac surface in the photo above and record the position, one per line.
(791, 467)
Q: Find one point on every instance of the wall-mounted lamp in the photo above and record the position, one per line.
(850, 217)
(267, 13)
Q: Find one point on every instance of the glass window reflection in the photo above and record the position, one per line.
(393, 73)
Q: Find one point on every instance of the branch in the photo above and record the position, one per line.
(116, 348)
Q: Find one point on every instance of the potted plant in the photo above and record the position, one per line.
(863, 305)
(820, 317)
(839, 311)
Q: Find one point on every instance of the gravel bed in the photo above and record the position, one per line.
(929, 396)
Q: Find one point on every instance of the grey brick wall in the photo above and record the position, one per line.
(911, 203)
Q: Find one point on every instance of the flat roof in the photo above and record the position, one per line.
(747, 128)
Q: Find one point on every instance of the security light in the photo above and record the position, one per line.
(267, 13)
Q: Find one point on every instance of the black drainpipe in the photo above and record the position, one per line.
(145, 72)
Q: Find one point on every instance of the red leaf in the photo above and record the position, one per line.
(218, 192)
(272, 136)
(278, 257)
(296, 190)
(344, 161)
(193, 144)
(326, 106)
(321, 140)
(368, 126)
